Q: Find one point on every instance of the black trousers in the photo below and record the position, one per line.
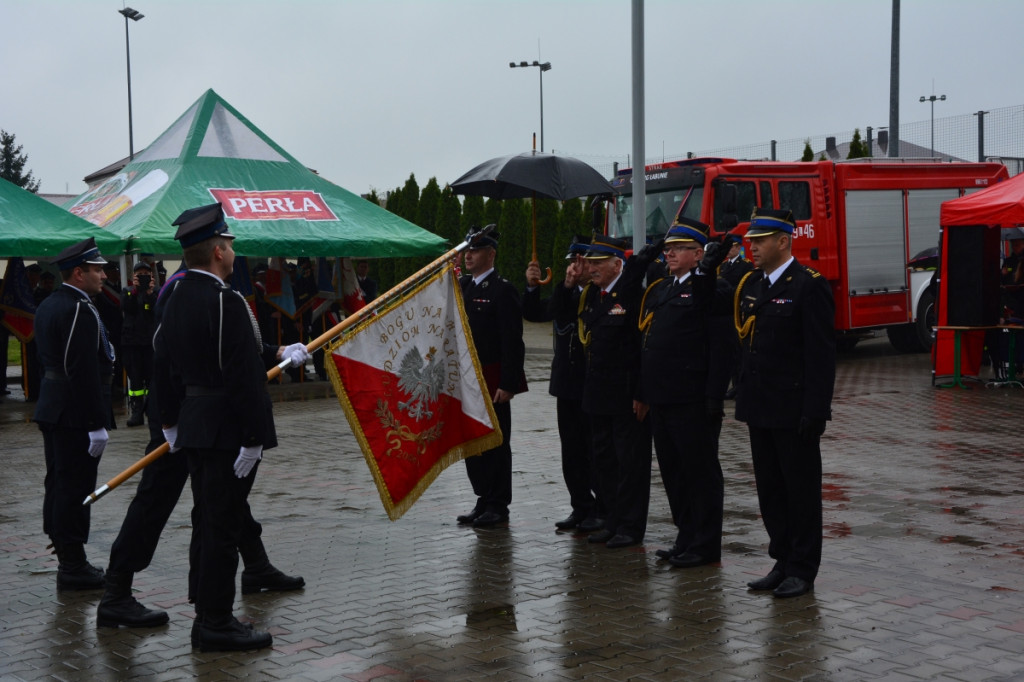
(622, 462)
(787, 469)
(70, 477)
(155, 498)
(218, 515)
(138, 365)
(686, 442)
(490, 473)
(574, 435)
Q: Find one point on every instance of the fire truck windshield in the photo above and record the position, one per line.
(662, 207)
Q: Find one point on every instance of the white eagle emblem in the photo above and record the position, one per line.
(421, 379)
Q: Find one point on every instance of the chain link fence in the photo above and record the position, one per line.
(956, 138)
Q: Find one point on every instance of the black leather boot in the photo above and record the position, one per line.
(119, 607)
(259, 574)
(74, 572)
(222, 632)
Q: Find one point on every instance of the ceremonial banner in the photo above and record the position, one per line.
(17, 303)
(411, 386)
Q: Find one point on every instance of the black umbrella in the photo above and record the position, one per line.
(533, 175)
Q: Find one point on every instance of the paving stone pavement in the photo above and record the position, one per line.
(921, 577)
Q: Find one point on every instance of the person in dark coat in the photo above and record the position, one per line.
(137, 306)
(496, 322)
(213, 401)
(785, 320)
(568, 369)
(732, 271)
(155, 498)
(74, 403)
(685, 407)
(608, 312)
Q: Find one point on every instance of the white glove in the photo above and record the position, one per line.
(98, 441)
(171, 436)
(247, 458)
(296, 354)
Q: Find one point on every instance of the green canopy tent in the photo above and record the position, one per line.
(31, 227)
(272, 203)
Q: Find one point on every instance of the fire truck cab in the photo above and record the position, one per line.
(859, 223)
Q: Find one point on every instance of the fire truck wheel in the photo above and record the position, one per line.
(926, 321)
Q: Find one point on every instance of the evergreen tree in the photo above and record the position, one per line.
(547, 229)
(514, 242)
(808, 152)
(473, 215)
(426, 210)
(449, 217)
(858, 150)
(12, 163)
(408, 209)
(570, 223)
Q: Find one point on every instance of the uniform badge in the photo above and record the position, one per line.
(617, 310)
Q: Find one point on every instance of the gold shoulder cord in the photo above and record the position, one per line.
(645, 322)
(744, 328)
(580, 328)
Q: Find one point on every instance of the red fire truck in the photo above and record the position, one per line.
(859, 223)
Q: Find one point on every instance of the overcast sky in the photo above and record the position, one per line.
(368, 92)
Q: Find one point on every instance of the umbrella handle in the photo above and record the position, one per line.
(546, 280)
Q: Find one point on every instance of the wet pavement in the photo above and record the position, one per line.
(921, 577)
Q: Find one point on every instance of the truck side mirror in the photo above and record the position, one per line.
(729, 220)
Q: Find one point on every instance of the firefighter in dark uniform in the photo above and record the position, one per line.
(608, 311)
(685, 408)
(568, 368)
(137, 306)
(211, 388)
(496, 322)
(732, 271)
(155, 498)
(74, 403)
(785, 320)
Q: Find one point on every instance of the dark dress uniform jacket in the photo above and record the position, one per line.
(569, 364)
(75, 390)
(496, 321)
(733, 271)
(613, 351)
(676, 340)
(788, 371)
(209, 369)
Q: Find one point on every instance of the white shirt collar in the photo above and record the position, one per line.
(774, 275)
(480, 278)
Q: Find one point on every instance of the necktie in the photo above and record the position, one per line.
(603, 294)
(765, 284)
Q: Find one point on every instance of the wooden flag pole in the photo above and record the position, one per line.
(355, 318)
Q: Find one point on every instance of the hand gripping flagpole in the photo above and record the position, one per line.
(355, 318)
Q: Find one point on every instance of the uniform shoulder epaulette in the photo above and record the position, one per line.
(811, 271)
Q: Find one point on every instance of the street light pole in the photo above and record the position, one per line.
(932, 99)
(546, 66)
(134, 15)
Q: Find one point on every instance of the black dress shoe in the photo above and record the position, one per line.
(621, 540)
(769, 582)
(600, 536)
(271, 579)
(589, 525)
(792, 587)
(466, 519)
(488, 519)
(568, 523)
(230, 636)
(690, 560)
(674, 550)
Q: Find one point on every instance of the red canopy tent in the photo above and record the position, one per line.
(968, 293)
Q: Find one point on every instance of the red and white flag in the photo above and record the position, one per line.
(411, 386)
